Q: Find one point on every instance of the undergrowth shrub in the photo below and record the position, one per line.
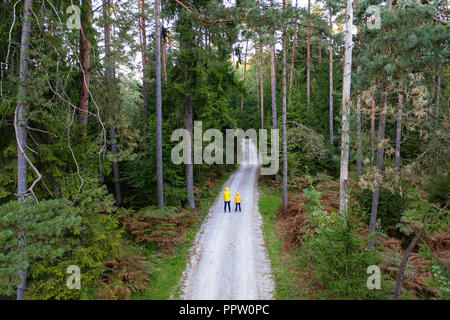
(440, 280)
(59, 233)
(337, 255)
(162, 228)
(390, 206)
(123, 276)
(51, 230)
(439, 189)
(307, 152)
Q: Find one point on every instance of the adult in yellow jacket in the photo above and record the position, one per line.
(227, 200)
(237, 201)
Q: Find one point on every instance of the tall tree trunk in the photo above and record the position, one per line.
(273, 86)
(144, 60)
(273, 81)
(291, 75)
(22, 133)
(257, 81)
(380, 154)
(233, 61)
(438, 94)
(159, 157)
(261, 77)
(107, 30)
(85, 55)
(331, 79)
(285, 163)
(372, 129)
(116, 173)
(320, 55)
(358, 136)
(243, 80)
(164, 58)
(261, 84)
(401, 271)
(345, 141)
(189, 166)
(308, 60)
(164, 49)
(398, 137)
(379, 163)
(358, 125)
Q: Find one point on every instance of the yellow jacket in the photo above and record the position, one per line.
(226, 195)
(238, 198)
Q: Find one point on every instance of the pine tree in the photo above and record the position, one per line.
(85, 56)
(308, 59)
(109, 79)
(273, 80)
(20, 124)
(285, 161)
(144, 59)
(331, 77)
(159, 155)
(243, 76)
(398, 138)
(294, 42)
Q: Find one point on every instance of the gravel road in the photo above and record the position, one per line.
(229, 259)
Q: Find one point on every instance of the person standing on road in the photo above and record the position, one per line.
(237, 201)
(227, 200)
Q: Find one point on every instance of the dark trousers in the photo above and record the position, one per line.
(225, 207)
(237, 204)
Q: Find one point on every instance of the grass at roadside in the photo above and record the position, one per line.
(285, 268)
(167, 268)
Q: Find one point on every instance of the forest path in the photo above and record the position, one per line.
(229, 259)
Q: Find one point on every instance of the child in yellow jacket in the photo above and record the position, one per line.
(237, 201)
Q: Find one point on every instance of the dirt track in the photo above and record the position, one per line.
(229, 260)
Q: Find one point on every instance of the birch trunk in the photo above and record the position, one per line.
(345, 141)
(22, 133)
(159, 157)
